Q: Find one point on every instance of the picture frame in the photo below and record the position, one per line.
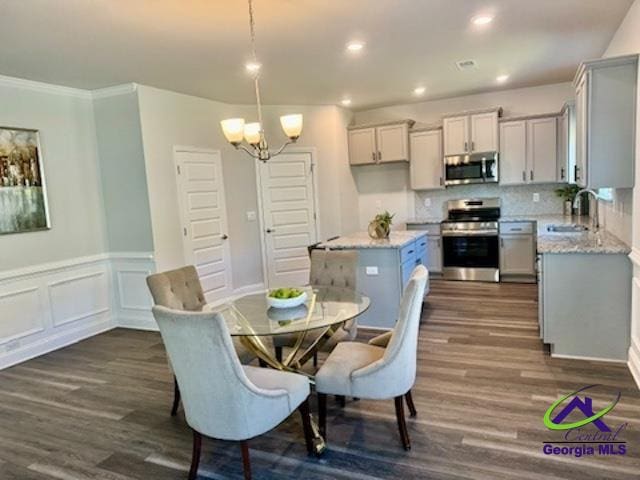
(23, 193)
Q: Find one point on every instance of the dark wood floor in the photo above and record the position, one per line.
(100, 409)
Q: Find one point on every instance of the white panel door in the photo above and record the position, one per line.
(204, 220)
(542, 146)
(426, 160)
(484, 132)
(289, 219)
(513, 152)
(456, 135)
(393, 143)
(362, 146)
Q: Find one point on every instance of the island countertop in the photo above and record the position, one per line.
(397, 239)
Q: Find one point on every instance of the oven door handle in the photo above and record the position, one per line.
(470, 233)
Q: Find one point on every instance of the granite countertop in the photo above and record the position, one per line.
(562, 242)
(427, 220)
(397, 239)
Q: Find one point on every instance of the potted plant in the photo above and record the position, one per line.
(380, 226)
(568, 194)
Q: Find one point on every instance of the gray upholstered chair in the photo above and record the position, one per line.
(383, 369)
(337, 268)
(222, 398)
(180, 289)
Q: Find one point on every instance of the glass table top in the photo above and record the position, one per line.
(325, 306)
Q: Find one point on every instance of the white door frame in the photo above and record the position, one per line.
(314, 179)
(188, 148)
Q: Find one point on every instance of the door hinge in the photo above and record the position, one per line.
(315, 216)
(178, 167)
(184, 230)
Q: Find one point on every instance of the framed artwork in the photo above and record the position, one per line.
(23, 196)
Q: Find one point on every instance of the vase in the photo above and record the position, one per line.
(378, 230)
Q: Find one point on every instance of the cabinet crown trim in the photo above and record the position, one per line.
(426, 128)
(603, 63)
(407, 121)
(474, 112)
(530, 117)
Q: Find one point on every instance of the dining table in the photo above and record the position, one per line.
(253, 320)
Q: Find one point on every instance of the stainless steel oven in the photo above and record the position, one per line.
(471, 250)
(473, 168)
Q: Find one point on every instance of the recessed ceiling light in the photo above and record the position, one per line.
(252, 67)
(346, 102)
(502, 78)
(482, 19)
(419, 90)
(355, 46)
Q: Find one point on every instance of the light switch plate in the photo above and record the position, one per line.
(251, 216)
(371, 270)
(536, 197)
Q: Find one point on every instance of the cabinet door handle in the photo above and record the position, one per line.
(502, 242)
(379, 155)
(524, 176)
(410, 251)
(473, 146)
(466, 146)
(373, 157)
(441, 181)
(531, 174)
(575, 172)
(562, 173)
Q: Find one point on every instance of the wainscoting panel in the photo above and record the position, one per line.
(634, 348)
(132, 301)
(45, 307)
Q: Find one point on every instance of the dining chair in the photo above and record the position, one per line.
(383, 369)
(181, 289)
(329, 268)
(222, 398)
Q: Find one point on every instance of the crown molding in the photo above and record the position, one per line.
(43, 87)
(114, 91)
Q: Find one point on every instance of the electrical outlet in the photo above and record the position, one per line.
(371, 270)
(251, 216)
(427, 202)
(536, 197)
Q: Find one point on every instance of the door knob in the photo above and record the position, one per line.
(224, 236)
(270, 230)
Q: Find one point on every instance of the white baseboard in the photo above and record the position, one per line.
(131, 299)
(589, 359)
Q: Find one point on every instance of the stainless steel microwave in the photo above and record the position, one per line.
(473, 168)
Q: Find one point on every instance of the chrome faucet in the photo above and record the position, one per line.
(595, 220)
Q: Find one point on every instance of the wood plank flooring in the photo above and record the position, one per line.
(100, 409)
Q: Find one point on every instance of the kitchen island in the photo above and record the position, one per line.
(384, 268)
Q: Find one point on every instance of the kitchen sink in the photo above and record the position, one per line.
(567, 228)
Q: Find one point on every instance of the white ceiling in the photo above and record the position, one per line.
(199, 46)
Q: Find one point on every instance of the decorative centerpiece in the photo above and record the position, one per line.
(568, 194)
(286, 298)
(380, 226)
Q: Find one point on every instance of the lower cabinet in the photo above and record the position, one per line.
(518, 252)
(431, 256)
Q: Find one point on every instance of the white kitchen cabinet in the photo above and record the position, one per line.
(542, 149)
(426, 160)
(362, 146)
(513, 152)
(606, 122)
(456, 135)
(379, 144)
(484, 132)
(518, 251)
(471, 133)
(565, 168)
(434, 253)
(528, 150)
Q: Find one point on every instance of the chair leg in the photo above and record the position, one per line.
(322, 414)
(279, 354)
(412, 408)
(176, 397)
(342, 400)
(246, 461)
(306, 425)
(195, 458)
(402, 426)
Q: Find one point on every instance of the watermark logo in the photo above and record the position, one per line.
(584, 430)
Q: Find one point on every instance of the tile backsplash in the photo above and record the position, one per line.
(515, 200)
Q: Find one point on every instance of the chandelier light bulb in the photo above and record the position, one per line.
(292, 125)
(252, 133)
(233, 129)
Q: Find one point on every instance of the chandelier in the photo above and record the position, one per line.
(236, 130)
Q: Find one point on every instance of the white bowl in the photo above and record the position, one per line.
(287, 302)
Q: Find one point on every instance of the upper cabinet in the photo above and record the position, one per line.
(379, 144)
(471, 133)
(565, 169)
(426, 160)
(528, 150)
(605, 122)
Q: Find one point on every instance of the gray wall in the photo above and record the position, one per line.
(122, 172)
(67, 136)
